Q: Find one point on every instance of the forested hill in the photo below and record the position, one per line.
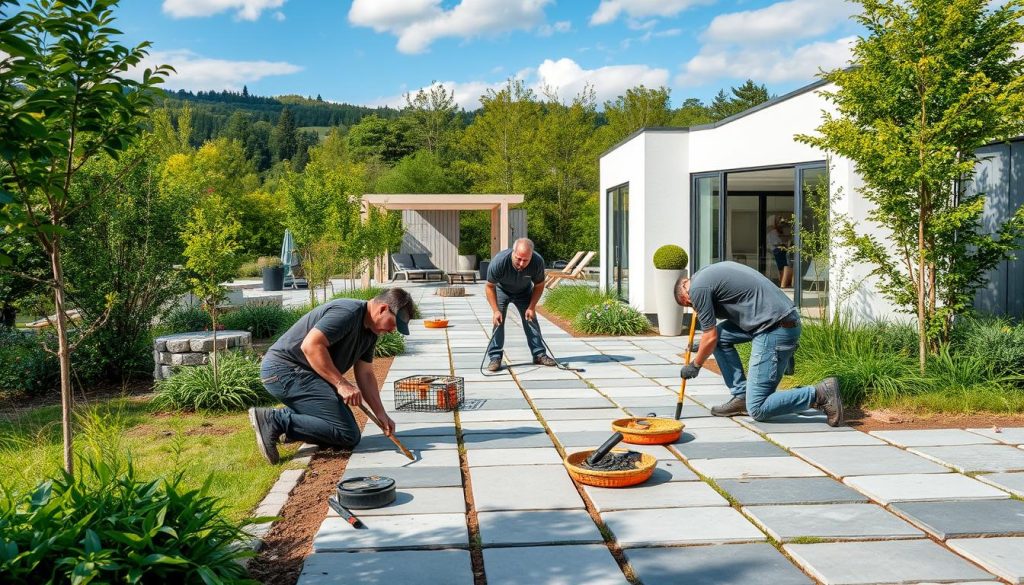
(212, 109)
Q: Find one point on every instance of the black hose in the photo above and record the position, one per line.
(544, 342)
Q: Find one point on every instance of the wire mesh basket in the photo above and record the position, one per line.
(429, 393)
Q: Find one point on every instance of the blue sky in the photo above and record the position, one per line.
(373, 51)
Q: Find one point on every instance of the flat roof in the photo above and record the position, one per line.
(442, 201)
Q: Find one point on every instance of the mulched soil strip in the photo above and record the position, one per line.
(476, 552)
(290, 540)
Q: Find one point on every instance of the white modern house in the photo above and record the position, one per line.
(717, 190)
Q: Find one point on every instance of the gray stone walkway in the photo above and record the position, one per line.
(806, 503)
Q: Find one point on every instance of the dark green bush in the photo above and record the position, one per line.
(998, 341)
(25, 368)
(263, 321)
(237, 387)
(611, 318)
(567, 301)
(186, 319)
(107, 526)
(250, 270)
(389, 345)
(670, 257)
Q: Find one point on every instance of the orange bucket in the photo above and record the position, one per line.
(648, 431)
(610, 479)
(435, 323)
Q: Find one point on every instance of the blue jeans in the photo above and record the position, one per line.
(532, 330)
(770, 352)
(313, 411)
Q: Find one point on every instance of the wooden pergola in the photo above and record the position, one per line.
(497, 204)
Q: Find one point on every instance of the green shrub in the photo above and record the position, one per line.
(970, 383)
(611, 318)
(108, 526)
(186, 319)
(568, 301)
(670, 257)
(363, 294)
(192, 388)
(25, 367)
(389, 345)
(263, 321)
(249, 270)
(998, 341)
(268, 262)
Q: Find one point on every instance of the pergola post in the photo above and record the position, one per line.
(495, 241)
(503, 225)
(364, 215)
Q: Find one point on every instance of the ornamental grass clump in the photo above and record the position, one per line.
(263, 321)
(389, 344)
(611, 318)
(237, 386)
(568, 301)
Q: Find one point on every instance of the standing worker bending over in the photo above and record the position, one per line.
(516, 275)
(756, 311)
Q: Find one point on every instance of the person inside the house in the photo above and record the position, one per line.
(303, 369)
(516, 276)
(752, 310)
(778, 242)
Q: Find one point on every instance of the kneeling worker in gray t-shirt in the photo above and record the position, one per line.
(752, 310)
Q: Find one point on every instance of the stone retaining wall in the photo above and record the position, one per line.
(193, 349)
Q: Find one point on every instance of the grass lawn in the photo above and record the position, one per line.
(199, 445)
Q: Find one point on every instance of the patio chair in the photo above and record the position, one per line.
(567, 269)
(576, 274)
(405, 266)
(422, 262)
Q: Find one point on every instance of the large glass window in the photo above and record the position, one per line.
(814, 261)
(618, 241)
(707, 199)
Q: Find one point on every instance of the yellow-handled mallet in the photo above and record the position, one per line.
(689, 348)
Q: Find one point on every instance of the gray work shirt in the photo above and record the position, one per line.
(341, 321)
(739, 294)
(512, 281)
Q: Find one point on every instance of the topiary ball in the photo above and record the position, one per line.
(670, 257)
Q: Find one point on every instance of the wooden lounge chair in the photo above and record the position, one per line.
(567, 269)
(422, 262)
(576, 274)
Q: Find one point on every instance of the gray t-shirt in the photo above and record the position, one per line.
(341, 321)
(512, 281)
(739, 294)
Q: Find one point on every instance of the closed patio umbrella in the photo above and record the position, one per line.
(290, 260)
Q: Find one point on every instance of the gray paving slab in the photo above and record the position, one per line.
(470, 404)
(830, 521)
(673, 470)
(728, 449)
(500, 457)
(871, 460)
(519, 414)
(668, 410)
(669, 526)
(581, 425)
(567, 383)
(523, 427)
(804, 422)
(524, 487)
(1011, 481)
(727, 564)
(442, 500)
(932, 437)
(718, 434)
(552, 565)
(971, 458)
(824, 439)
(506, 441)
(605, 384)
(583, 413)
(564, 393)
(1003, 556)
(1011, 435)
(593, 401)
(883, 562)
(957, 519)
(409, 567)
(427, 458)
(755, 467)
(515, 528)
(415, 443)
(655, 493)
(919, 487)
(789, 490)
(411, 477)
(439, 418)
(392, 532)
(591, 439)
(427, 429)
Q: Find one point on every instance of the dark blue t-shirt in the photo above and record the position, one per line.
(512, 281)
(341, 321)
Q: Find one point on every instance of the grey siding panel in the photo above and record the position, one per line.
(435, 233)
(1015, 268)
(517, 223)
(1000, 175)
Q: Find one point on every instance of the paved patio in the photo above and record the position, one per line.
(839, 505)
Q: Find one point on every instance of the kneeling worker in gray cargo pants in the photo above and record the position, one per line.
(303, 369)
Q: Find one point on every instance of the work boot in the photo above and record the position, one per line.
(266, 433)
(828, 400)
(736, 406)
(495, 365)
(544, 360)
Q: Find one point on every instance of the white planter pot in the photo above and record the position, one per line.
(467, 263)
(670, 313)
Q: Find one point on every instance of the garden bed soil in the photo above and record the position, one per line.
(290, 540)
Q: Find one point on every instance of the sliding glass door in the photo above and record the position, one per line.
(707, 205)
(618, 241)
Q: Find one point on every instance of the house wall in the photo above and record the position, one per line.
(435, 233)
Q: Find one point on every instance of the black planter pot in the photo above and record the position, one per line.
(273, 278)
(484, 265)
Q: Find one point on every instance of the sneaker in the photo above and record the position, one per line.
(266, 435)
(544, 360)
(495, 365)
(736, 406)
(828, 400)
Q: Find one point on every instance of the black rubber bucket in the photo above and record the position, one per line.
(363, 493)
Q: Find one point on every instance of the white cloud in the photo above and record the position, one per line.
(609, 10)
(562, 26)
(246, 9)
(418, 23)
(566, 77)
(782, 21)
(194, 72)
(774, 66)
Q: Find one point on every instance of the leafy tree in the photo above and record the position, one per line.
(743, 98)
(376, 138)
(63, 101)
(168, 140)
(499, 144)
(26, 257)
(420, 172)
(931, 83)
(693, 112)
(640, 107)
(434, 119)
(284, 140)
(254, 136)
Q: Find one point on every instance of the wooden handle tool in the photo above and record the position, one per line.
(393, 438)
(689, 348)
